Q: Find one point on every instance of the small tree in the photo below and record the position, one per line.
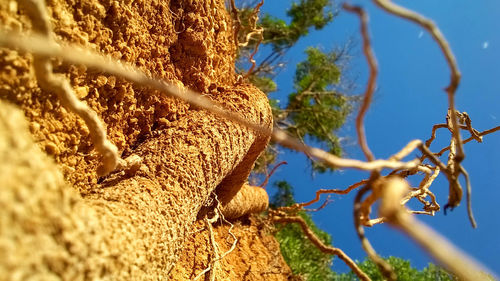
(316, 108)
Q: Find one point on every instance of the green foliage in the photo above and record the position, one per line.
(317, 72)
(300, 254)
(278, 34)
(404, 271)
(304, 15)
(283, 196)
(315, 109)
(265, 84)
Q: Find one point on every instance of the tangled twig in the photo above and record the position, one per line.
(455, 122)
(214, 263)
(428, 25)
(255, 31)
(450, 257)
(453, 168)
(236, 23)
(423, 191)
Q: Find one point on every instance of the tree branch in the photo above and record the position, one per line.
(319, 244)
(370, 87)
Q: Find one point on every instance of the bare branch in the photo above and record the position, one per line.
(215, 262)
(469, 193)
(383, 266)
(336, 162)
(230, 231)
(330, 191)
(263, 184)
(236, 23)
(483, 133)
(443, 251)
(319, 244)
(370, 88)
(428, 25)
(411, 146)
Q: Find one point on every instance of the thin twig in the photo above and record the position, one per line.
(433, 133)
(231, 226)
(325, 203)
(336, 162)
(483, 133)
(236, 24)
(469, 193)
(383, 266)
(321, 246)
(254, 17)
(213, 265)
(263, 184)
(330, 191)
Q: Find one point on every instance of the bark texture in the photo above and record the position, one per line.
(59, 220)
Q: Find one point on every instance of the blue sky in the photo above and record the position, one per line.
(408, 101)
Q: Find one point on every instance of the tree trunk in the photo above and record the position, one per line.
(59, 220)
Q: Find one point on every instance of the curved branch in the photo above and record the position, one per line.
(436, 34)
(383, 266)
(370, 88)
(322, 247)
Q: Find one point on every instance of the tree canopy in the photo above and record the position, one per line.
(316, 108)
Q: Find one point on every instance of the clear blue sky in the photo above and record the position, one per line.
(409, 100)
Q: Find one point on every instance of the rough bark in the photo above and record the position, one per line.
(59, 220)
